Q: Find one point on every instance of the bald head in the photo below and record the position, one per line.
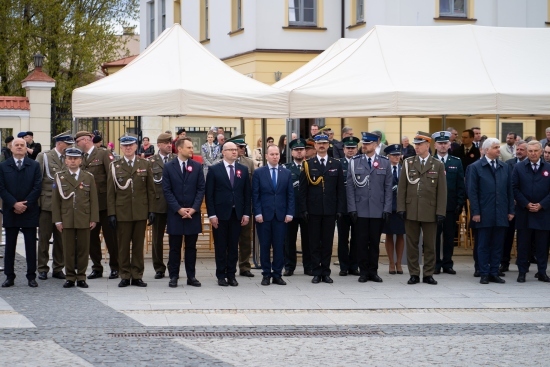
(229, 152)
(19, 148)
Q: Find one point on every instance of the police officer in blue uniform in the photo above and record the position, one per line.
(456, 197)
(347, 247)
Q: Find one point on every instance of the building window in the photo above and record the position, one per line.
(151, 15)
(302, 12)
(163, 15)
(177, 12)
(239, 14)
(453, 8)
(360, 11)
(206, 35)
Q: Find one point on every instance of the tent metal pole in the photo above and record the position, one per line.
(400, 128)
(264, 139)
(242, 126)
(498, 127)
(444, 122)
(289, 126)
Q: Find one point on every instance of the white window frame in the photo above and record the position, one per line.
(452, 13)
(151, 20)
(300, 8)
(360, 11)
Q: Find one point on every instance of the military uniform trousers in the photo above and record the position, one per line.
(245, 246)
(131, 237)
(448, 230)
(347, 246)
(110, 237)
(527, 237)
(291, 257)
(174, 256)
(321, 235)
(45, 230)
(76, 241)
(368, 231)
(159, 227)
(429, 231)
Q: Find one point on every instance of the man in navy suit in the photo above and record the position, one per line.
(228, 195)
(531, 184)
(183, 187)
(20, 186)
(273, 200)
(492, 207)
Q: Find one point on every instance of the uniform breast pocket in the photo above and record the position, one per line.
(333, 172)
(86, 191)
(432, 178)
(380, 172)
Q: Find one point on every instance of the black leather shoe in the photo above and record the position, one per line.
(246, 273)
(138, 283)
(278, 281)
(362, 279)
(449, 271)
(68, 284)
(159, 275)
(414, 279)
(537, 275)
(521, 278)
(343, 273)
(496, 279)
(8, 283)
(232, 282)
(222, 282)
(173, 283)
(58, 275)
(288, 273)
(501, 274)
(504, 268)
(266, 281)
(477, 274)
(193, 282)
(114, 274)
(124, 283)
(429, 280)
(484, 279)
(316, 279)
(375, 278)
(544, 278)
(33, 283)
(43, 275)
(354, 272)
(81, 284)
(95, 274)
(327, 279)
(437, 271)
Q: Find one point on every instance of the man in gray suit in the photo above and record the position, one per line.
(380, 144)
(369, 180)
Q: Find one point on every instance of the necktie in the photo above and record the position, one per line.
(183, 168)
(422, 162)
(231, 175)
(466, 150)
(74, 175)
(274, 178)
(86, 157)
(300, 167)
(130, 164)
(535, 167)
(19, 164)
(395, 173)
(493, 164)
(369, 162)
(166, 159)
(443, 160)
(323, 161)
(61, 157)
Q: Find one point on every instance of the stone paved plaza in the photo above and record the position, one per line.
(459, 322)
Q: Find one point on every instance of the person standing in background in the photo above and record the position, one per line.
(33, 148)
(146, 149)
(210, 152)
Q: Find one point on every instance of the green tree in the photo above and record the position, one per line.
(75, 36)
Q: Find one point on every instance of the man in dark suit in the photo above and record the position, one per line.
(492, 207)
(467, 152)
(20, 185)
(183, 187)
(339, 150)
(407, 149)
(273, 201)
(228, 195)
(456, 197)
(322, 201)
(531, 184)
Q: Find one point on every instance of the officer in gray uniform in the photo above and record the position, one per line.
(369, 195)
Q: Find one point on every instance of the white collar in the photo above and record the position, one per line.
(325, 158)
(444, 157)
(77, 173)
(182, 162)
(91, 150)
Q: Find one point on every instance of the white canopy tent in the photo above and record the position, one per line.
(175, 76)
(411, 71)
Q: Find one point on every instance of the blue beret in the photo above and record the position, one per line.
(22, 134)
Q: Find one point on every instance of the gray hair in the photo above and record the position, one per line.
(221, 136)
(347, 129)
(404, 137)
(450, 129)
(489, 142)
(535, 142)
(548, 129)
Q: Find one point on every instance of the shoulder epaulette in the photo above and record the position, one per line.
(383, 156)
(91, 174)
(356, 156)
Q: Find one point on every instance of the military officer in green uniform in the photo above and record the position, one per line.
(75, 211)
(422, 202)
(51, 162)
(245, 238)
(97, 161)
(298, 149)
(164, 155)
(130, 199)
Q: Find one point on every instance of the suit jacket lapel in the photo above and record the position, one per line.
(90, 157)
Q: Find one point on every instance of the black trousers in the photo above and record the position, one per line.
(29, 234)
(158, 228)
(321, 235)
(226, 246)
(368, 231)
(526, 238)
(347, 247)
(448, 230)
(110, 237)
(190, 255)
(291, 257)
